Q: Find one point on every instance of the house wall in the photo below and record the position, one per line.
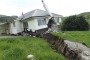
(2, 29)
(12, 29)
(16, 27)
(32, 24)
(19, 26)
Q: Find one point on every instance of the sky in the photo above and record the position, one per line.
(61, 7)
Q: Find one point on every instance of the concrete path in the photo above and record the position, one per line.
(83, 51)
(76, 45)
(10, 36)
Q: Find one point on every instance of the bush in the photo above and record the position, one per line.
(75, 23)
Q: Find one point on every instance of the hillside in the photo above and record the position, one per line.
(19, 48)
(4, 18)
(2, 15)
(85, 14)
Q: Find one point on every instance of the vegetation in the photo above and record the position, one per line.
(86, 15)
(75, 23)
(7, 18)
(77, 36)
(19, 48)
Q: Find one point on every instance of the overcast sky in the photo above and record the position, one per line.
(62, 7)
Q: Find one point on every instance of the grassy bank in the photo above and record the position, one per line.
(19, 48)
(77, 36)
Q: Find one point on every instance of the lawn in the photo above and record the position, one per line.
(19, 48)
(77, 36)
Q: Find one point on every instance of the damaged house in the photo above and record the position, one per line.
(33, 20)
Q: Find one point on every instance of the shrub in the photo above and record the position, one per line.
(75, 23)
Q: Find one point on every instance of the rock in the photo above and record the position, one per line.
(81, 50)
(30, 57)
(85, 55)
(76, 45)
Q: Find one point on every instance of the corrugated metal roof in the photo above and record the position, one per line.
(35, 13)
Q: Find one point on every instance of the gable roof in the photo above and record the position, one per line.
(36, 13)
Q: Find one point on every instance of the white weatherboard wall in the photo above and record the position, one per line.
(32, 24)
(16, 27)
(19, 26)
(12, 29)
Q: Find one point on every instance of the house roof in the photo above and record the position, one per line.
(36, 13)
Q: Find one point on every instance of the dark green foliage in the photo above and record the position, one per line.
(7, 18)
(75, 23)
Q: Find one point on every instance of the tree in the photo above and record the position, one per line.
(75, 23)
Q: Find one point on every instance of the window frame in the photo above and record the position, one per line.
(57, 18)
(41, 21)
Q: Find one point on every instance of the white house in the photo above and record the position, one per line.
(34, 20)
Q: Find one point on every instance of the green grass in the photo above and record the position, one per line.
(19, 48)
(77, 36)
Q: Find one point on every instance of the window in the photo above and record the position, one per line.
(41, 21)
(57, 20)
